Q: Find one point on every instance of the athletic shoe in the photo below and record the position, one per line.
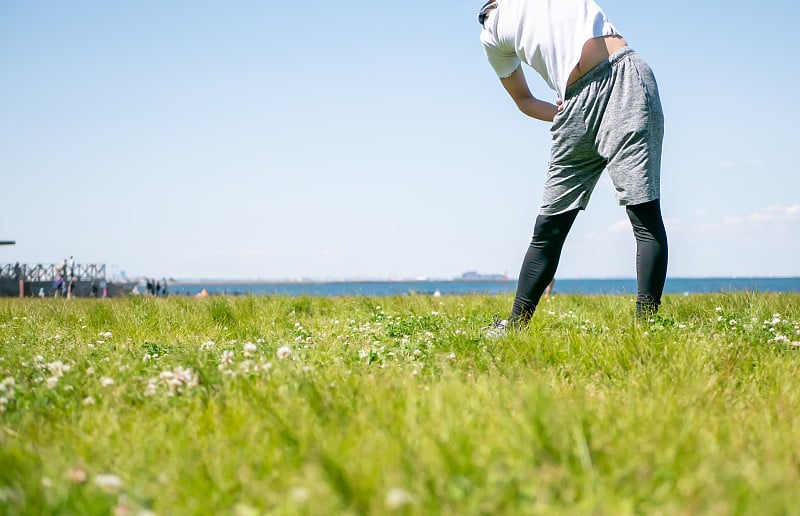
(497, 329)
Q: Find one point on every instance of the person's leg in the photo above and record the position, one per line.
(651, 255)
(631, 136)
(540, 263)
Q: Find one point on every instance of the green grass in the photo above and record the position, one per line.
(399, 405)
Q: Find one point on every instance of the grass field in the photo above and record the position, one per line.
(399, 406)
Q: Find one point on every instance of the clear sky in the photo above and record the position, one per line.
(250, 139)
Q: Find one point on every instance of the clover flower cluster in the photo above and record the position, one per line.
(177, 381)
(55, 369)
(781, 330)
(7, 393)
(775, 330)
(228, 365)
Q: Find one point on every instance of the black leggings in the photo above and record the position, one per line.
(549, 234)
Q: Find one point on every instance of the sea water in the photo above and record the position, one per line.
(622, 286)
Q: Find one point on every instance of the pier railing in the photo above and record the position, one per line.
(48, 272)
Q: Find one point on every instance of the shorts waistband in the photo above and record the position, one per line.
(596, 72)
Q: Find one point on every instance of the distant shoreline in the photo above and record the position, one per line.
(331, 282)
(191, 282)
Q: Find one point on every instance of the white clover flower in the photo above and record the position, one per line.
(451, 356)
(175, 381)
(781, 338)
(52, 382)
(186, 376)
(397, 498)
(263, 366)
(77, 475)
(152, 385)
(249, 349)
(283, 352)
(682, 326)
(89, 371)
(58, 368)
(7, 384)
(299, 494)
(88, 400)
(732, 322)
(105, 334)
(111, 484)
(106, 381)
(227, 358)
(207, 345)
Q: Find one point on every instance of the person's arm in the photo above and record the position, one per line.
(516, 86)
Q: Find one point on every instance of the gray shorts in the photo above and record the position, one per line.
(612, 119)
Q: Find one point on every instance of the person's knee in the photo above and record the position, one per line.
(550, 229)
(647, 222)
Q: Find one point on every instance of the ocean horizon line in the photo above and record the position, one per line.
(316, 281)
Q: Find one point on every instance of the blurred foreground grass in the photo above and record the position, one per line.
(399, 405)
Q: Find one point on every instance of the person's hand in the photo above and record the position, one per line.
(560, 105)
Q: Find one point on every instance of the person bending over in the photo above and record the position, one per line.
(608, 116)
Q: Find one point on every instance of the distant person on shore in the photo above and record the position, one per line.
(608, 116)
(61, 268)
(71, 287)
(548, 291)
(57, 284)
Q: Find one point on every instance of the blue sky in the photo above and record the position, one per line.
(319, 139)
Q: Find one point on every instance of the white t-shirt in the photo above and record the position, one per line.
(548, 35)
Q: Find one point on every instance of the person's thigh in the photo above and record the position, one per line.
(632, 131)
(575, 166)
